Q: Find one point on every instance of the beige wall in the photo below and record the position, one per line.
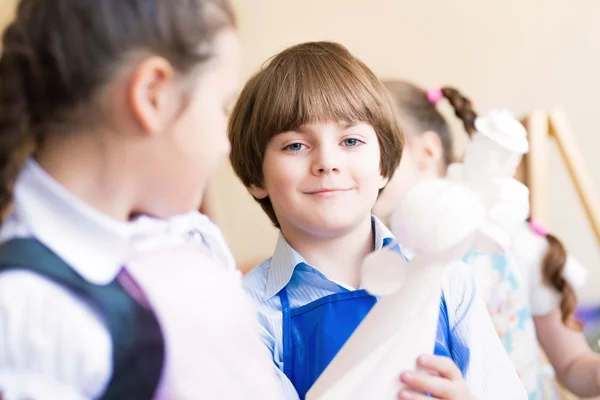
(6, 11)
(518, 54)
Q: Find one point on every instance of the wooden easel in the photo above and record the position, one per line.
(541, 127)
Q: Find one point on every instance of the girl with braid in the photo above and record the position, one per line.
(530, 289)
(112, 119)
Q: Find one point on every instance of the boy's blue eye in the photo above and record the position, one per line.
(351, 142)
(295, 147)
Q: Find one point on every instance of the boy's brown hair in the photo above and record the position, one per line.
(307, 83)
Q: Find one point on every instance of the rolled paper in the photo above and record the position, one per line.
(403, 323)
(383, 274)
(399, 328)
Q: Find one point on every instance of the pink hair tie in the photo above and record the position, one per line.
(434, 95)
(537, 228)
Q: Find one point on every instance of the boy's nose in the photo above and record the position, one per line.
(326, 170)
(325, 162)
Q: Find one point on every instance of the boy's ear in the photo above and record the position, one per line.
(383, 181)
(258, 192)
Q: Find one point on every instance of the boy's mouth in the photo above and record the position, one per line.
(325, 191)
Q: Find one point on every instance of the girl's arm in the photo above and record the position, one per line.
(577, 366)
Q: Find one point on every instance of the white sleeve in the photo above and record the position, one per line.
(270, 321)
(52, 346)
(528, 253)
(490, 373)
(287, 387)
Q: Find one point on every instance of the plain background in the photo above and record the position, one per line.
(523, 55)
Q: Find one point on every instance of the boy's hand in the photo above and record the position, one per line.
(441, 378)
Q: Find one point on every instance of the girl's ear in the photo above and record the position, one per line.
(149, 94)
(427, 150)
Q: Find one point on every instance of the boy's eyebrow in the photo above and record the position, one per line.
(342, 124)
(347, 124)
(300, 129)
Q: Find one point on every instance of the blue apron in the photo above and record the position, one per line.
(314, 333)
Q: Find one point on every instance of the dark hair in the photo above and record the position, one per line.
(58, 54)
(417, 111)
(553, 266)
(309, 82)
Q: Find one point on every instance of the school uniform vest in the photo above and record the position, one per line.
(137, 341)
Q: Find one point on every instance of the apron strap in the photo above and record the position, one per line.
(287, 343)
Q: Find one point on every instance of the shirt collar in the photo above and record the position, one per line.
(285, 259)
(93, 244)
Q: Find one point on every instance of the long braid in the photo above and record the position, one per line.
(17, 137)
(463, 108)
(553, 266)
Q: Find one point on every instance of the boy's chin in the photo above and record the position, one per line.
(332, 225)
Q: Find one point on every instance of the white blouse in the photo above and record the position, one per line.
(52, 344)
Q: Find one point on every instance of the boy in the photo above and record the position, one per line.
(314, 139)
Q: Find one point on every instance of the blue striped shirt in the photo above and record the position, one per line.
(490, 374)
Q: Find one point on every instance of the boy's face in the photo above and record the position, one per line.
(322, 178)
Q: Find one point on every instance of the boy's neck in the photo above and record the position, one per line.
(339, 257)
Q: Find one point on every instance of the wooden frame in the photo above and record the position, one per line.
(541, 127)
